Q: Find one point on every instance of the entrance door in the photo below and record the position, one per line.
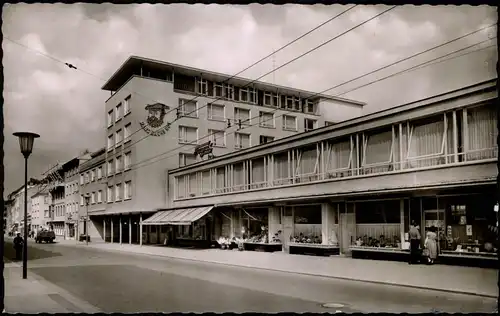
(348, 231)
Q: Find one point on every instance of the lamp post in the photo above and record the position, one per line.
(87, 200)
(26, 140)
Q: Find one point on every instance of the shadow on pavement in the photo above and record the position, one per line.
(34, 253)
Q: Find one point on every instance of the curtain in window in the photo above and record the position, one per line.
(192, 185)
(281, 166)
(289, 122)
(206, 182)
(220, 180)
(426, 140)
(217, 112)
(307, 161)
(242, 114)
(238, 176)
(481, 123)
(378, 147)
(339, 155)
(258, 170)
(242, 140)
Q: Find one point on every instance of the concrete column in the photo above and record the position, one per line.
(402, 221)
(104, 227)
(130, 230)
(273, 222)
(327, 223)
(232, 224)
(112, 229)
(140, 229)
(121, 229)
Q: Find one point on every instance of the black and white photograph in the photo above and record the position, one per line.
(300, 157)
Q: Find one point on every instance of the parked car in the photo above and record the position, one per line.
(45, 235)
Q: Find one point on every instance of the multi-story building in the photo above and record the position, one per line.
(7, 222)
(40, 210)
(71, 193)
(58, 207)
(92, 184)
(157, 107)
(16, 212)
(432, 162)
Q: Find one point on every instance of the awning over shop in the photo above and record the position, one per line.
(183, 216)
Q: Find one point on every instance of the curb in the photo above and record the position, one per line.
(300, 273)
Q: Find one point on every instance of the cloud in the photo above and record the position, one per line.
(66, 106)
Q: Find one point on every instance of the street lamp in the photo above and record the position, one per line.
(87, 201)
(26, 140)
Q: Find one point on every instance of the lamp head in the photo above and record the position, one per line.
(26, 140)
(87, 199)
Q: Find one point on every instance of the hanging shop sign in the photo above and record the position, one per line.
(155, 124)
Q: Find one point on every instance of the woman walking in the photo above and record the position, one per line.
(431, 245)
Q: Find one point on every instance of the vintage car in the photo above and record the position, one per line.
(45, 235)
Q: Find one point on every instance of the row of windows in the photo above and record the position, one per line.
(116, 139)
(71, 189)
(116, 114)
(90, 176)
(241, 116)
(254, 96)
(59, 210)
(95, 197)
(117, 166)
(119, 192)
(71, 172)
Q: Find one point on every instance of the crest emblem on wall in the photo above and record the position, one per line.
(155, 124)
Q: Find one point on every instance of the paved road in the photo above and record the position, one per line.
(115, 282)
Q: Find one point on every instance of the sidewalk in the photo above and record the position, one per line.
(35, 295)
(456, 279)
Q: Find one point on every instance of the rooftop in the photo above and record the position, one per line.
(133, 65)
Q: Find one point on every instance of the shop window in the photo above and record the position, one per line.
(255, 223)
(378, 223)
(307, 224)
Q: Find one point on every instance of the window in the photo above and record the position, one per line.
(99, 196)
(87, 177)
(243, 115)
(128, 190)
(271, 99)
(110, 142)
(218, 138)
(202, 86)
(289, 123)
(99, 172)
(118, 113)
(216, 112)
(118, 164)
(188, 134)
(241, 140)
(92, 198)
(188, 108)
(265, 139)
(266, 119)
(309, 106)
(186, 159)
(81, 179)
(118, 191)
(110, 118)
(126, 105)
(310, 124)
(229, 91)
(109, 194)
(118, 137)
(127, 131)
(127, 161)
(81, 200)
(248, 95)
(218, 89)
(223, 90)
(110, 167)
(92, 175)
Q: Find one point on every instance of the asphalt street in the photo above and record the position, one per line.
(115, 282)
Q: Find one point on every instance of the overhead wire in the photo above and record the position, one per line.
(424, 64)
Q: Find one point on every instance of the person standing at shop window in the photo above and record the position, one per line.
(431, 245)
(414, 236)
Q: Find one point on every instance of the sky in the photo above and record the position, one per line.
(66, 106)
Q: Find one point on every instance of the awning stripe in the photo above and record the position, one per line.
(178, 217)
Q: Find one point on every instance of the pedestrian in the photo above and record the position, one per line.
(414, 236)
(431, 245)
(18, 246)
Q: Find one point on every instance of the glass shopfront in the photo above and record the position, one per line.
(306, 224)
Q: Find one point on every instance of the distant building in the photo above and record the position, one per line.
(40, 210)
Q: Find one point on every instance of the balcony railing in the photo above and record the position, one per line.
(414, 163)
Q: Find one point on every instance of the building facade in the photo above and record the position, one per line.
(40, 210)
(15, 214)
(358, 183)
(92, 175)
(186, 107)
(72, 195)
